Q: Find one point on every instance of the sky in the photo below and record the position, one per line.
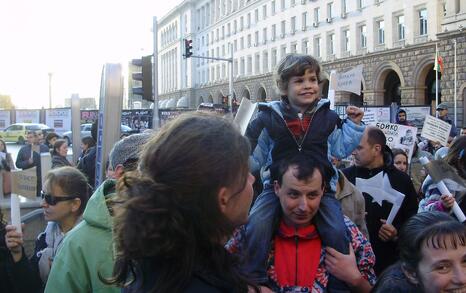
(72, 40)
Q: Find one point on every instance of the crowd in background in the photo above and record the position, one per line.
(199, 207)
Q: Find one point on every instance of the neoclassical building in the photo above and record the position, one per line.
(394, 40)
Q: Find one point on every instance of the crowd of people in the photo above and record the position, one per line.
(180, 210)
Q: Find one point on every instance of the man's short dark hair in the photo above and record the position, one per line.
(376, 136)
(306, 166)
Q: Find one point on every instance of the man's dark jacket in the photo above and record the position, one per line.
(385, 252)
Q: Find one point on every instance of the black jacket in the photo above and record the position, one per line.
(385, 252)
(16, 277)
(87, 165)
(59, 161)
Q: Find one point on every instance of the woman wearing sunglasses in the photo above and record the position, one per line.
(64, 197)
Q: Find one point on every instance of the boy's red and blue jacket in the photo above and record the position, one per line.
(278, 130)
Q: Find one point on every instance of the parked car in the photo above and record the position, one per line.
(17, 132)
(86, 131)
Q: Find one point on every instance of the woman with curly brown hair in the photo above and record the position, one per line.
(192, 189)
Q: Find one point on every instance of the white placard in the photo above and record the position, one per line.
(58, 119)
(349, 81)
(376, 114)
(416, 115)
(27, 116)
(15, 212)
(436, 130)
(243, 116)
(399, 136)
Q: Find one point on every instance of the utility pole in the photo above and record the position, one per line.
(155, 76)
(50, 90)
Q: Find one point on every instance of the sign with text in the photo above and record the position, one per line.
(436, 130)
(27, 116)
(58, 119)
(24, 182)
(349, 81)
(376, 114)
(399, 136)
(4, 119)
(140, 119)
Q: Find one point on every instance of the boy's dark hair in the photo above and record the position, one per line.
(89, 141)
(306, 166)
(294, 65)
(50, 136)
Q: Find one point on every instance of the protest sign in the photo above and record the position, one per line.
(376, 114)
(349, 81)
(436, 130)
(244, 114)
(24, 182)
(399, 136)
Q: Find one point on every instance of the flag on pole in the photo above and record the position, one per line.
(438, 66)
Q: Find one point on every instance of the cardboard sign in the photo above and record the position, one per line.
(58, 119)
(399, 136)
(436, 130)
(24, 182)
(349, 81)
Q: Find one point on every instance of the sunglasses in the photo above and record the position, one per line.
(53, 200)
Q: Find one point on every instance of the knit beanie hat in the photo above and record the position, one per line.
(128, 148)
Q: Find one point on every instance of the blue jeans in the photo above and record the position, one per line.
(260, 230)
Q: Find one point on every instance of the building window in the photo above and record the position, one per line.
(265, 62)
(282, 5)
(241, 23)
(423, 22)
(283, 28)
(235, 68)
(223, 32)
(401, 27)
(317, 47)
(264, 34)
(330, 10)
(362, 36)
(235, 26)
(249, 40)
(257, 59)
(293, 25)
(241, 43)
(283, 51)
(304, 20)
(228, 29)
(344, 7)
(361, 4)
(331, 44)
(264, 12)
(293, 3)
(248, 20)
(256, 38)
(274, 31)
(381, 31)
(241, 66)
(256, 15)
(235, 45)
(316, 14)
(346, 40)
(272, 7)
(249, 65)
(273, 60)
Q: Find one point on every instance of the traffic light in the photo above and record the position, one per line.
(188, 47)
(145, 77)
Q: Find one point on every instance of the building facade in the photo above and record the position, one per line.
(394, 40)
